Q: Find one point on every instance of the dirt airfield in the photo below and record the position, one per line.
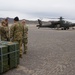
(50, 52)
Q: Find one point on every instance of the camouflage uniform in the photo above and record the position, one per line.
(16, 34)
(4, 32)
(25, 38)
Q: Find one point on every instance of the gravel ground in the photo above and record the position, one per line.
(50, 52)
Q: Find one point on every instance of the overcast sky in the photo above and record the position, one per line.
(33, 9)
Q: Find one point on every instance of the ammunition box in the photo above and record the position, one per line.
(9, 55)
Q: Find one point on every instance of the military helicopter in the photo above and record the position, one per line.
(64, 25)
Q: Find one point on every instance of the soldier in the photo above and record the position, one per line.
(25, 36)
(4, 31)
(16, 33)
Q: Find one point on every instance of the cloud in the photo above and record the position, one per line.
(37, 8)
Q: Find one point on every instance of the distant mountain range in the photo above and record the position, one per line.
(10, 20)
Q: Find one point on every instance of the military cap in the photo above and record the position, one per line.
(16, 19)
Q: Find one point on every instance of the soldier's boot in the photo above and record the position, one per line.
(20, 55)
(25, 52)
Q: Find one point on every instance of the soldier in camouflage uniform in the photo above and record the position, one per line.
(25, 36)
(4, 31)
(16, 33)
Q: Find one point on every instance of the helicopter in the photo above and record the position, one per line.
(64, 25)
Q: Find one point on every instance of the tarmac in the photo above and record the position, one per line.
(50, 52)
